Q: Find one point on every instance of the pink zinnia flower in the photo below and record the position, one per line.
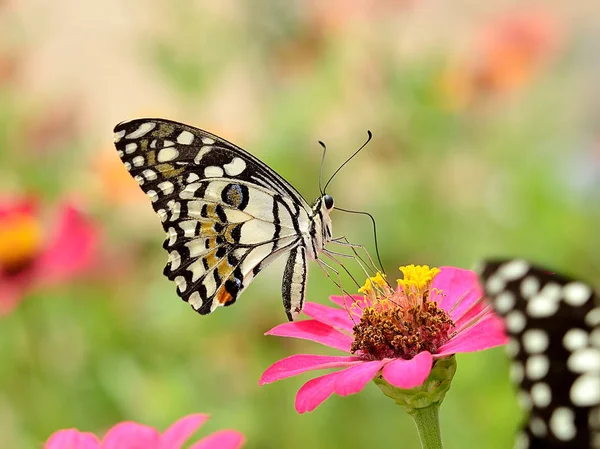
(397, 334)
(130, 435)
(31, 255)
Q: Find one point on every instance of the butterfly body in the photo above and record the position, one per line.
(553, 324)
(226, 214)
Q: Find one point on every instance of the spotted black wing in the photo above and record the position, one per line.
(553, 325)
(226, 214)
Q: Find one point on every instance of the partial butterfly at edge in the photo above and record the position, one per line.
(553, 323)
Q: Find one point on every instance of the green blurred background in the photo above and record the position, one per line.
(486, 143)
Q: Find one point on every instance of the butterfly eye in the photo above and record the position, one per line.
(328, 200)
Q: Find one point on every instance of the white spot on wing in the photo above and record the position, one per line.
(197, 269)
(529, 287)
(537, 366)
(575, 339)
(195, 300)
(162, 215)
(175, 208)
(138, 161)
(139, 179)
(127, 166)
(584, 360)
(174, 260)
(203, 151)
(538, 426)
(119, 135)
(513, 269)
(130, 148)
(188, 227)
(172, 234)
(196, 247)
(153, 196)
(150, 175)
(208, 140)
(546, 302)
(585, 391)
(541, 395)
(167, 154)
(515, 321)
(213, 171)
(592, 318)
(576, 293)
(495, 284)
(235, 167)
(562, 424)
(142, 130)
(193, 177)
(535, 340)
(167, 187)
(185, 138)
(181, 283)
(504, 302)
(168, 143)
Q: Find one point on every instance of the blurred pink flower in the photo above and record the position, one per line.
(431, 314)
(29, 259)
(130, 435)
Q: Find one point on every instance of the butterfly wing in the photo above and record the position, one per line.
(226, 214)
(553, 325)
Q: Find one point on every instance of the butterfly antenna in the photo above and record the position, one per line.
(374, 230)
(349, 159)
(321, 170)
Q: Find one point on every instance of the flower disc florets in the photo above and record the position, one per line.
(403, 322)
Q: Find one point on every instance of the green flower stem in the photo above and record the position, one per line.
(428, 425)
(423, 402)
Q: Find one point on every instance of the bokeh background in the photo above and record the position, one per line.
(486, 142)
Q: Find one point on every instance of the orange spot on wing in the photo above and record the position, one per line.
(223, 296)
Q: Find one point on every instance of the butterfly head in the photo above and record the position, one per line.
(322, 208)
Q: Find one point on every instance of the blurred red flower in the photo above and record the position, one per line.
(130, 435)
(30, 259)
(508, 54)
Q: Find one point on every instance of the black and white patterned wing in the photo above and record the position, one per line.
(226, 214)
(554, 327)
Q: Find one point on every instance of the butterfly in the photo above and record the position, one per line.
(226, 214)
(553, 324)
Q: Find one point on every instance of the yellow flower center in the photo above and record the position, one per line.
(20, 241)
(401, 323)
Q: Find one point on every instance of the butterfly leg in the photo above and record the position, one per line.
(343, 241)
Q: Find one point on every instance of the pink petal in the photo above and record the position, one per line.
(336, 318)
(300, 363)
(486, 333)
(18, 206)
(475, 312)
(72, 439)
(314, 331)
(72, 249)
(130, 435)
(181, 430)
(315, 391)
(408, 373)
(343, 382)
(223, 439)
(354, 303)
(354, 379)
(459, 286)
